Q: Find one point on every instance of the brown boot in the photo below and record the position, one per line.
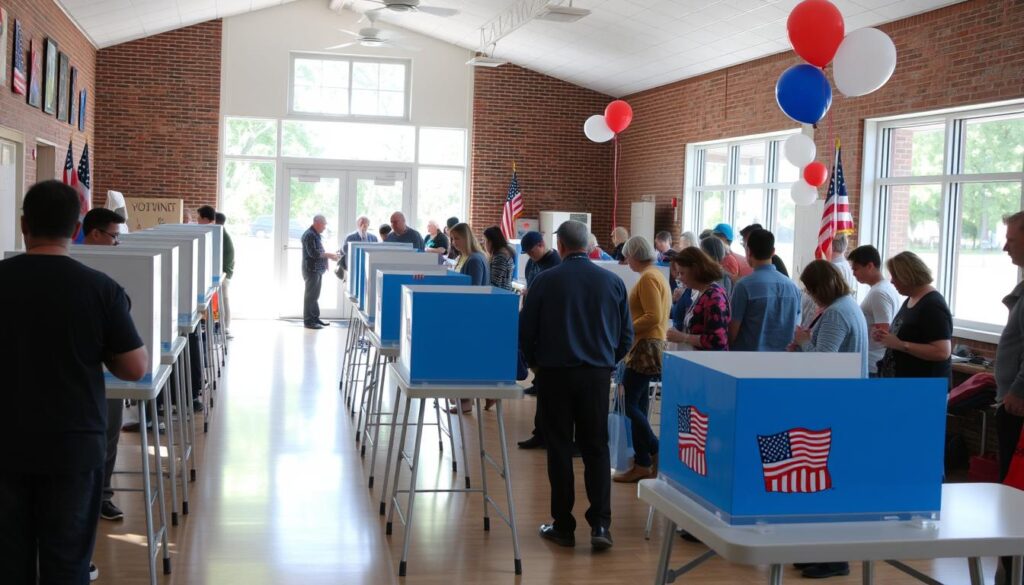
(633, 475)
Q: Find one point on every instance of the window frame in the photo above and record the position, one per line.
(351, 60)
(876, 184)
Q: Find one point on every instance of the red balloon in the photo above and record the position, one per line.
(618, 115)
(816, 29)
(815, 174)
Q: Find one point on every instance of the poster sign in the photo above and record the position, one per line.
(147, 212)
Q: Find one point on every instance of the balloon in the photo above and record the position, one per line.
(803, 93)
(597, 129)
(816, 174)
(803, 194)
(618, 115)
(816, 29)
(799, 150)
(864, 62)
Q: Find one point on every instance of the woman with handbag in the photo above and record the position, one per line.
(649, 304)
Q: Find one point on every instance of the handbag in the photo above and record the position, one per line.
(620, 438)
(645, 357)
(1015, 476)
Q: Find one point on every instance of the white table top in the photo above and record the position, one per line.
(186, 329)
(977, 519)
(456, 391)
(389, 350)
(139, 390)
(169, 357)
(366, 319)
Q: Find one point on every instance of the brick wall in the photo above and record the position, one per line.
(41, 19)
(537, 121)
(158, 116)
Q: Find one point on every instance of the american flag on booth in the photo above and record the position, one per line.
(512, 208)
(693, 438)
(796, 461)
(836, 219)
(19, 84)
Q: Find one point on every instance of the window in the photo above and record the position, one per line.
(250, 137)
(441, 191)
(939, 187)
(740, 182)
(348, 140)
(332, 85)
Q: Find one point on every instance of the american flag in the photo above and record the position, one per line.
(693, 438)
(836, 219)
(19, 84)
(512, 209)
(796, 461)
(70, 176)
(82, 186)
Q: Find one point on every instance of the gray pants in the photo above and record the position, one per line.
(115, 414)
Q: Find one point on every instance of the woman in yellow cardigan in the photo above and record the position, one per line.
(649, 304)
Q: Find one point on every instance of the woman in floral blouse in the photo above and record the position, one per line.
(706, 325)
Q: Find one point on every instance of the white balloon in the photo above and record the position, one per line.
(802, 193)
(799, 150)
(597, 129)
(864, 62)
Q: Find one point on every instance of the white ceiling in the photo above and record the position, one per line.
(622, 47)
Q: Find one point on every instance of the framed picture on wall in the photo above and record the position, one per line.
(72, 97)
(19, 83)
(81, 109)
(50, 77)
(62, 87)
(35, 78)
(4, 25)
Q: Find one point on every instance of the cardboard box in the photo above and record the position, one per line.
(147, 212)
(388, 315)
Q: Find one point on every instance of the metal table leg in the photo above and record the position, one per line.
(184, 407)
(398, 464)
(147, 493)
(775, 577)
(507, 471)
(378, 414)
(977, 573)
(483, 461)
(162, 507)
(868, 573)
(391, 447)
(668, 533)
(171, 463)
(412, 490)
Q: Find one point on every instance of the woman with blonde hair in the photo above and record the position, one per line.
(619, 237)
(919, 341)
(472, 262)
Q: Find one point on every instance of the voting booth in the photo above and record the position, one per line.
(204, 255)
(626, 273)
(354, 259)
(388, 316)
(482, 325)
(800, 437)
(168, 282)
(188, 267)
(211, 251)
(373, 260)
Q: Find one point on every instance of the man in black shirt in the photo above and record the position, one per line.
(64, 323)
(314, 264)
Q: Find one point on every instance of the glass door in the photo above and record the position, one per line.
(378, 194)
(311, 192)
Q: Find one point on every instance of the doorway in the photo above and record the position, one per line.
(10, 231)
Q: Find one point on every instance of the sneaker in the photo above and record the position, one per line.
(94, 573)
(108, 511)
(197, 405)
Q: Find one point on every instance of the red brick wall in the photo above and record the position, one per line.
(537, 121)
(41, 19)
(158, 116)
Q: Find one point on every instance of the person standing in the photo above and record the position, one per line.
(229, 272)
(663, 244)
(736, 266)
(453, 254)
(839, 244)
(776, 261)
(384, 230)
(401, 232)
(765, 305)
(502, 258)
(53, 439)
(574, 327)
(540, 259)
(361, 234)
(619, 237)
(880, 304)
(705, 323)
(437, 240)
(314, 264)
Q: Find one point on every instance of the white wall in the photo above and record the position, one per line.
(255, 61)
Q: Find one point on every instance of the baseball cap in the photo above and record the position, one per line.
(724, 230)
(530, 239)
(452, 222)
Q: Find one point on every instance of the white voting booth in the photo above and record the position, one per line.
(217, 241)
(381, 260)
(210, 245)
(188, 267)
(626, 273)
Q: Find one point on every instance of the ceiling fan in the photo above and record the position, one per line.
(404, 6)
(372, 37)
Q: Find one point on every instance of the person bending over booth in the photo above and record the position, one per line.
(401, 232)
(705, 325)
(473, 263)
(502, 258)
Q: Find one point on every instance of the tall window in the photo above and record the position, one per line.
(939, 187)
(331, 85)
(740, 182)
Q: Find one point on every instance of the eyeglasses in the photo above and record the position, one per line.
(113, 236)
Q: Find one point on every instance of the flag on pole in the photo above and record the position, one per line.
(512, 208)
(19, 84)
(81, 181)
(70, 176)
(836, 218)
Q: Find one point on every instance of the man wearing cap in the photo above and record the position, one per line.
(540, 260)
(453, 254)
(736, 266)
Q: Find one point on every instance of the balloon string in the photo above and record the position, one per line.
(615, 184)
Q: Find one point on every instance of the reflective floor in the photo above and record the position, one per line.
(281, 496)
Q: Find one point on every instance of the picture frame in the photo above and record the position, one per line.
(50, 76)
(82, 97)
(35, 80)
(63, 73)
(19, 78)
(73, 98)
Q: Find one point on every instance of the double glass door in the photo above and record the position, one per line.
(340, 196)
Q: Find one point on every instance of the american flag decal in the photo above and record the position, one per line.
(796, 461)
(19, 84)
(693, 438)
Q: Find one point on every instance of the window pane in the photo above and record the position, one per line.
(915, 217)
(712, 208)
(347, 140)
(306, 98)
(378, 200)
(917, 151)
(443, 146)
(749, 209)
(995, 146)
(716, 161)
(248, 201)
(365, 75)
(333, 101)
(335, 74)
(364, 102)
(785, 226)
(440, 195)
(307, 71)
(392, 77)
(391, 104)
(787, 172)
(248, 137)
(752, 158)
(984, 273)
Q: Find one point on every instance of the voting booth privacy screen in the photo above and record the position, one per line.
(374, 259)
(356, 270)
(388, 318)
(800, 437)
(188, 267)
(216, 242)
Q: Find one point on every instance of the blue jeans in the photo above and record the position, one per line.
(645, 442)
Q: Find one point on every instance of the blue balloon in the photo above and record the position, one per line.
(803, 93)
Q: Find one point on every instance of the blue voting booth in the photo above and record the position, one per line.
(388, 321)
(800, 437)
(356, 269)
(459, 335)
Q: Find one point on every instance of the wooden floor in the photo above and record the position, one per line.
(281, 497)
